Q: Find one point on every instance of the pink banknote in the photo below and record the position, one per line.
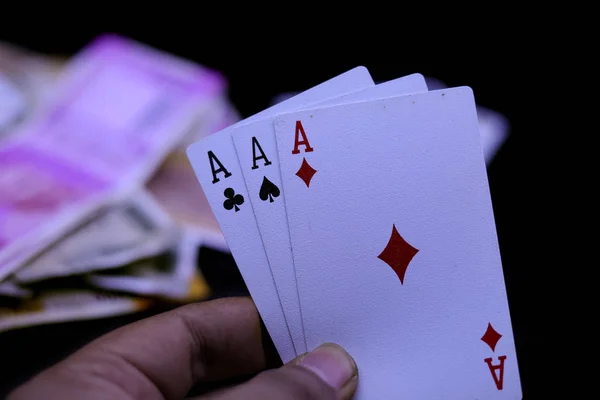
(119, 108)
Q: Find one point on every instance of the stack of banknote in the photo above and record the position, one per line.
(100, 211)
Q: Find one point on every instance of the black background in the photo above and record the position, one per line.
(521, 177)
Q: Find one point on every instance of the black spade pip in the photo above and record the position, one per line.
(268, 190)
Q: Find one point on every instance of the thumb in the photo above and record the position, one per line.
(326, 373)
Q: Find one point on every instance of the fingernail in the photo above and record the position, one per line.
(332, 363)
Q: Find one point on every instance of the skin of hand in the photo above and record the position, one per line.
(164, 356)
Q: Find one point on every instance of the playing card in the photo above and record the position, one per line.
(257, 152)
(395, 247)
(215, 163)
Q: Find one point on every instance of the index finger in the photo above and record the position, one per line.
(168, 353)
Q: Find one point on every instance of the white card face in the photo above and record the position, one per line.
(217, 168)
(395, 247)
(257, 152)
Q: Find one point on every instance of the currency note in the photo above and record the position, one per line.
(26, 80)
(173, 276)
(68, 305)
(118, 108)
(134, 229)
(12, 289)
(12, 104)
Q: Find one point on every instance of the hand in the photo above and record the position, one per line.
(164, 356)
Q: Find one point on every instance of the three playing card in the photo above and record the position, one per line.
(360, 214)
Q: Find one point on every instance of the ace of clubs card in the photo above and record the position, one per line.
(217, 168)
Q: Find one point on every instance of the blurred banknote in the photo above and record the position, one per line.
(173, 276)
(68, 305)
(12, 104)
(494, 128)
(117, 110)
(12, 289)
(26, 79)
(134, 229)
(175, 185)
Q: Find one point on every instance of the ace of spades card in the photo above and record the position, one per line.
(257, 152)
(395, 247)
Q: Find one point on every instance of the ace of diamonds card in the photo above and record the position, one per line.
(395, 247)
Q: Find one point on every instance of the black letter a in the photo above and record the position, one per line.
(255, 144)
(212, 158)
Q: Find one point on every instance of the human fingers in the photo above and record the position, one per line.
(327, 373)
(160, 357)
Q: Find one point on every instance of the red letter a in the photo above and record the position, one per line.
(498, 379)
(304, 141)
